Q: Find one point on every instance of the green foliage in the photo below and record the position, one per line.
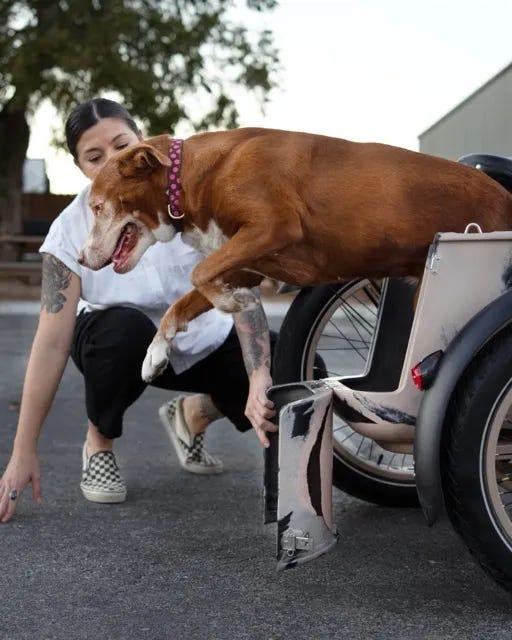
(169, 60)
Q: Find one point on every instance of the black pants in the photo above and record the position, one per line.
(109, 347)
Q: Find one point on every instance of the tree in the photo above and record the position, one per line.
(168, 60)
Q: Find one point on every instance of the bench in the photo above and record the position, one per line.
(28, 272)
(23, 242)
(21, 267)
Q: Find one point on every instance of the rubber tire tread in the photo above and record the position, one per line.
(473, 398)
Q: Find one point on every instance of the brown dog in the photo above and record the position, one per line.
(296, 207)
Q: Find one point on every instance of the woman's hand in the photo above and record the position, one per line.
(21, 469)
(259, 409)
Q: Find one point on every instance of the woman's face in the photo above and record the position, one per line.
(100, 142)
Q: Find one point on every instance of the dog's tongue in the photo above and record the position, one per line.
(125, 244)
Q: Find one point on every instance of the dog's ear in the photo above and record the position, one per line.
(141, 160)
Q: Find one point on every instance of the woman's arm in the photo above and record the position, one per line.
(60, 292)
(252, 329)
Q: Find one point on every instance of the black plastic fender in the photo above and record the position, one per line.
(429, 425)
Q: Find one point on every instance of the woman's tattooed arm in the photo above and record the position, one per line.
(56, 279)
(252, 329)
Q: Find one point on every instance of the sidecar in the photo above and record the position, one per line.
(434, 399)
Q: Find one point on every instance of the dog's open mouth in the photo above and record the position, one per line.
(125, 244)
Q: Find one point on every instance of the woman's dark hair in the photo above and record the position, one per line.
(87, 114)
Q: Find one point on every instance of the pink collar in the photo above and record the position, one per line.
(174, 188)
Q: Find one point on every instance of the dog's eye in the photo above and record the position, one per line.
(96, 209)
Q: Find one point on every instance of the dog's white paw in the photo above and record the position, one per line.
(236, 300)
(156, 359)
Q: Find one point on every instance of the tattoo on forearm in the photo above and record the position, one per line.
(208, 410)
(252, 330)
(56, 279)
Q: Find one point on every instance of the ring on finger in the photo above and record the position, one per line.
(13, 494)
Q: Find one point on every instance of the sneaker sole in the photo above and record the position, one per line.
(191, 467)
(102, 496)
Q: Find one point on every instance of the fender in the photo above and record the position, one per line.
(429, 425)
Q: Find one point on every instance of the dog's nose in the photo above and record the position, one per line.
(81, 258)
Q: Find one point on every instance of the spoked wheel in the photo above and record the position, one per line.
(476, 463)
(330, 331)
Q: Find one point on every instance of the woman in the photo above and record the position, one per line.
(103, 320)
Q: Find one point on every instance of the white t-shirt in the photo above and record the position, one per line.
(160, 277)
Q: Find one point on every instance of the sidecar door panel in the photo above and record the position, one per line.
(304, 529)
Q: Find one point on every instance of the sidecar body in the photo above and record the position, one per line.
(462, 316)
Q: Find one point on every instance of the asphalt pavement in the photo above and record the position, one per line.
(189, 558)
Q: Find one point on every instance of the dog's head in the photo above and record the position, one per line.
(129, 203)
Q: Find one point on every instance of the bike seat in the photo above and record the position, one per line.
(497, 167)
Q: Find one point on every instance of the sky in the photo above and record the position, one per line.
(365, 70)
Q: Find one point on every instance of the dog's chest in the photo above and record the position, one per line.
(205, 242)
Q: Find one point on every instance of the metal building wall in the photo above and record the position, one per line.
(480, 124)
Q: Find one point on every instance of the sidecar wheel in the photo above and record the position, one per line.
(329, 331)
(476, 458)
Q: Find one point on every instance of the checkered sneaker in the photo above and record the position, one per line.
(101, 479)
(189, 448)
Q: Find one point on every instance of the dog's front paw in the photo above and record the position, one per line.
(156, 359)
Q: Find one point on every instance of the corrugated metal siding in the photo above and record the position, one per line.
(480, 124)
